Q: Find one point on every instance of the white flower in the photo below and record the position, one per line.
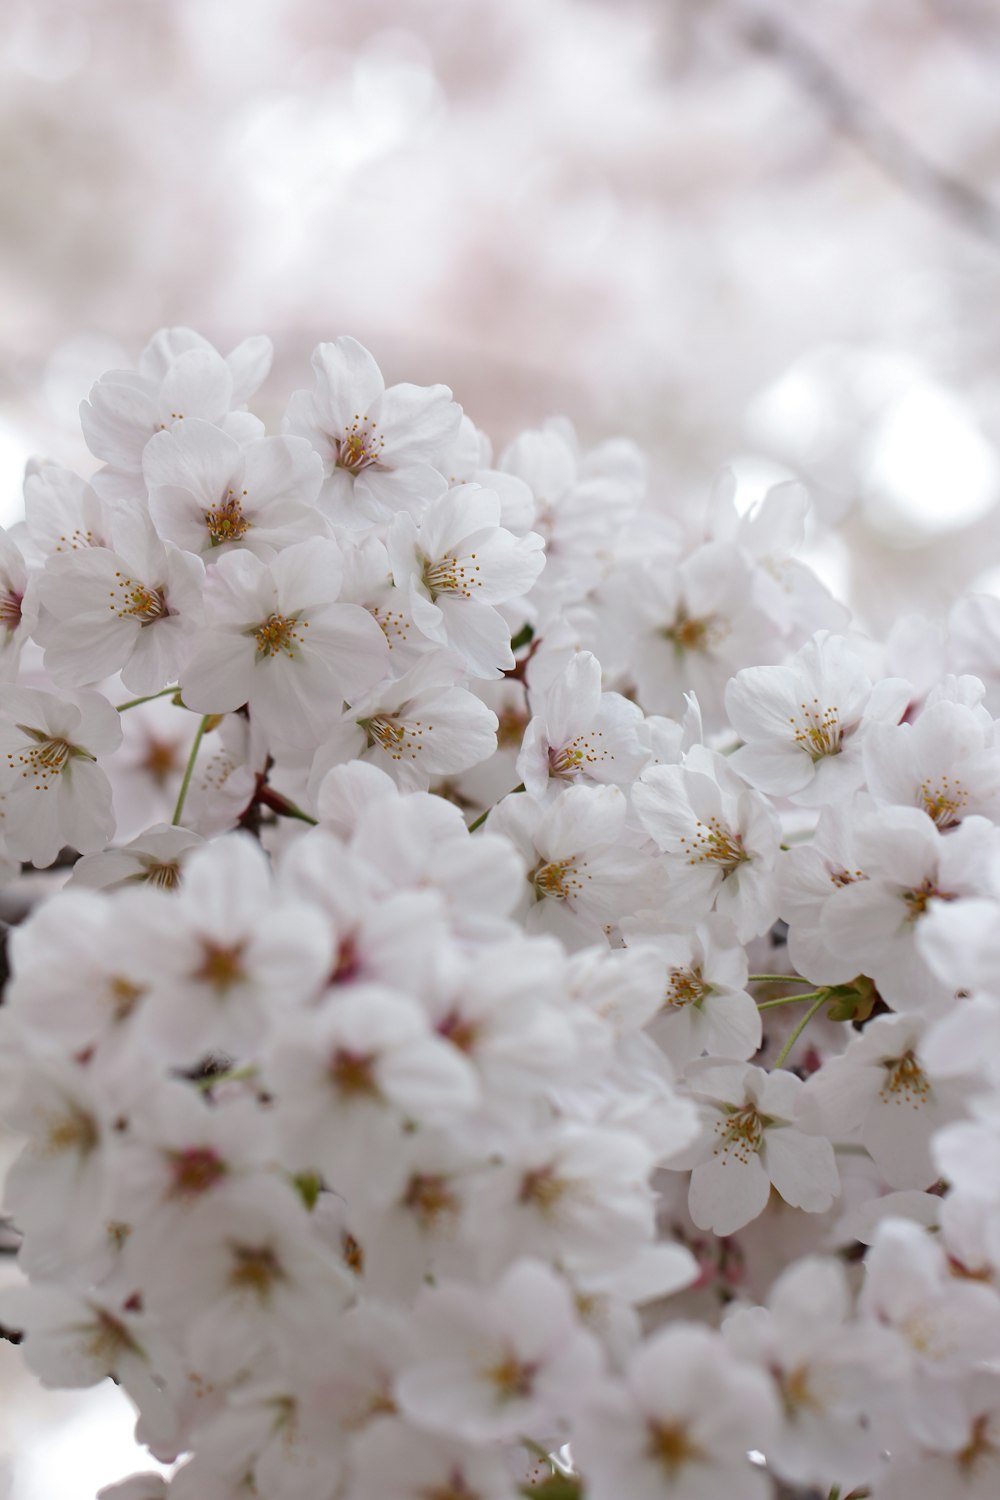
(179, 375)
(704, 1004)
(277, 641)
(456, 566)
(945, 762)
(878, 1088)
(911, 866)
(720, 839)
(949, 1324)
(379, 446)
(133, 610)
(55, 793)
(209, 494)
(62, 512)
(500, 1364)
(394, 1458)
(580, 872)
(830, 1374)
(156, 858)
(348, 1074)
(804, 724)
(581, 733)
(678, 1425)
(808, 876)
(418, 727)
(218, 950)
(749, 1143)
(963, 1466)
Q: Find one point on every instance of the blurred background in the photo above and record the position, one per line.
(745, 232)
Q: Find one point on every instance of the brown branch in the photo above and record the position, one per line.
(850, 112)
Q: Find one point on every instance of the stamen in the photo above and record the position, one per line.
(740, 1135)
(447, 575)
(685, 987)
(577, 755)
(136, 601)
(255, 1269)
(278, 635)
(670, 1446)
(45, 759)
(559, 880)
(360, 447)
(905, 1082)
(226, 521)
(693, 634)
(715, 844)
(820, 733)
(10, 611)
(398, 738)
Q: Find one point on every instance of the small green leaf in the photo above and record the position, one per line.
(523, 637)
(556, 1487)
(308, 1186)
(852, 1002)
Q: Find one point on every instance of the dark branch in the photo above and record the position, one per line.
(850, 112)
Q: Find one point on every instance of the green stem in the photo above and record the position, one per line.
(789, 999)
(189, 769)
(483, 816)
(800, 1028)
(778, 979)
(134, 702)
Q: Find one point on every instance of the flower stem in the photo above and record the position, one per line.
(134, 702)
(189, 768)
(790, 999)
(777, 979)
(483, 816)
(800, 1028)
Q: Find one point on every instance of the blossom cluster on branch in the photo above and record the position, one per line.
(551, 1046)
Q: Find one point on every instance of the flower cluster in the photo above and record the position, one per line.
(401, 1115)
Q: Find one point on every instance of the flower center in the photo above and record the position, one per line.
(279, 635)
(45, 759)
(136, 601)
(430, 1198)
(221, 966)
(917, 900)
(123, 996)
(195, 1171)
(689, 633)
(448, 575)
(740, 1134)
(514, 1378)
(560, 880)
(818, 730)
(108, 1340)
(542, 1188)
(670, 1445)
(73, 1131)
(353, 1073)
(360, 447)
(396, 738)
(576, 756)
(226, 521)
(943, 800)
(685, 987)
(906, 1082)
(713, 843)
(256, 1269)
